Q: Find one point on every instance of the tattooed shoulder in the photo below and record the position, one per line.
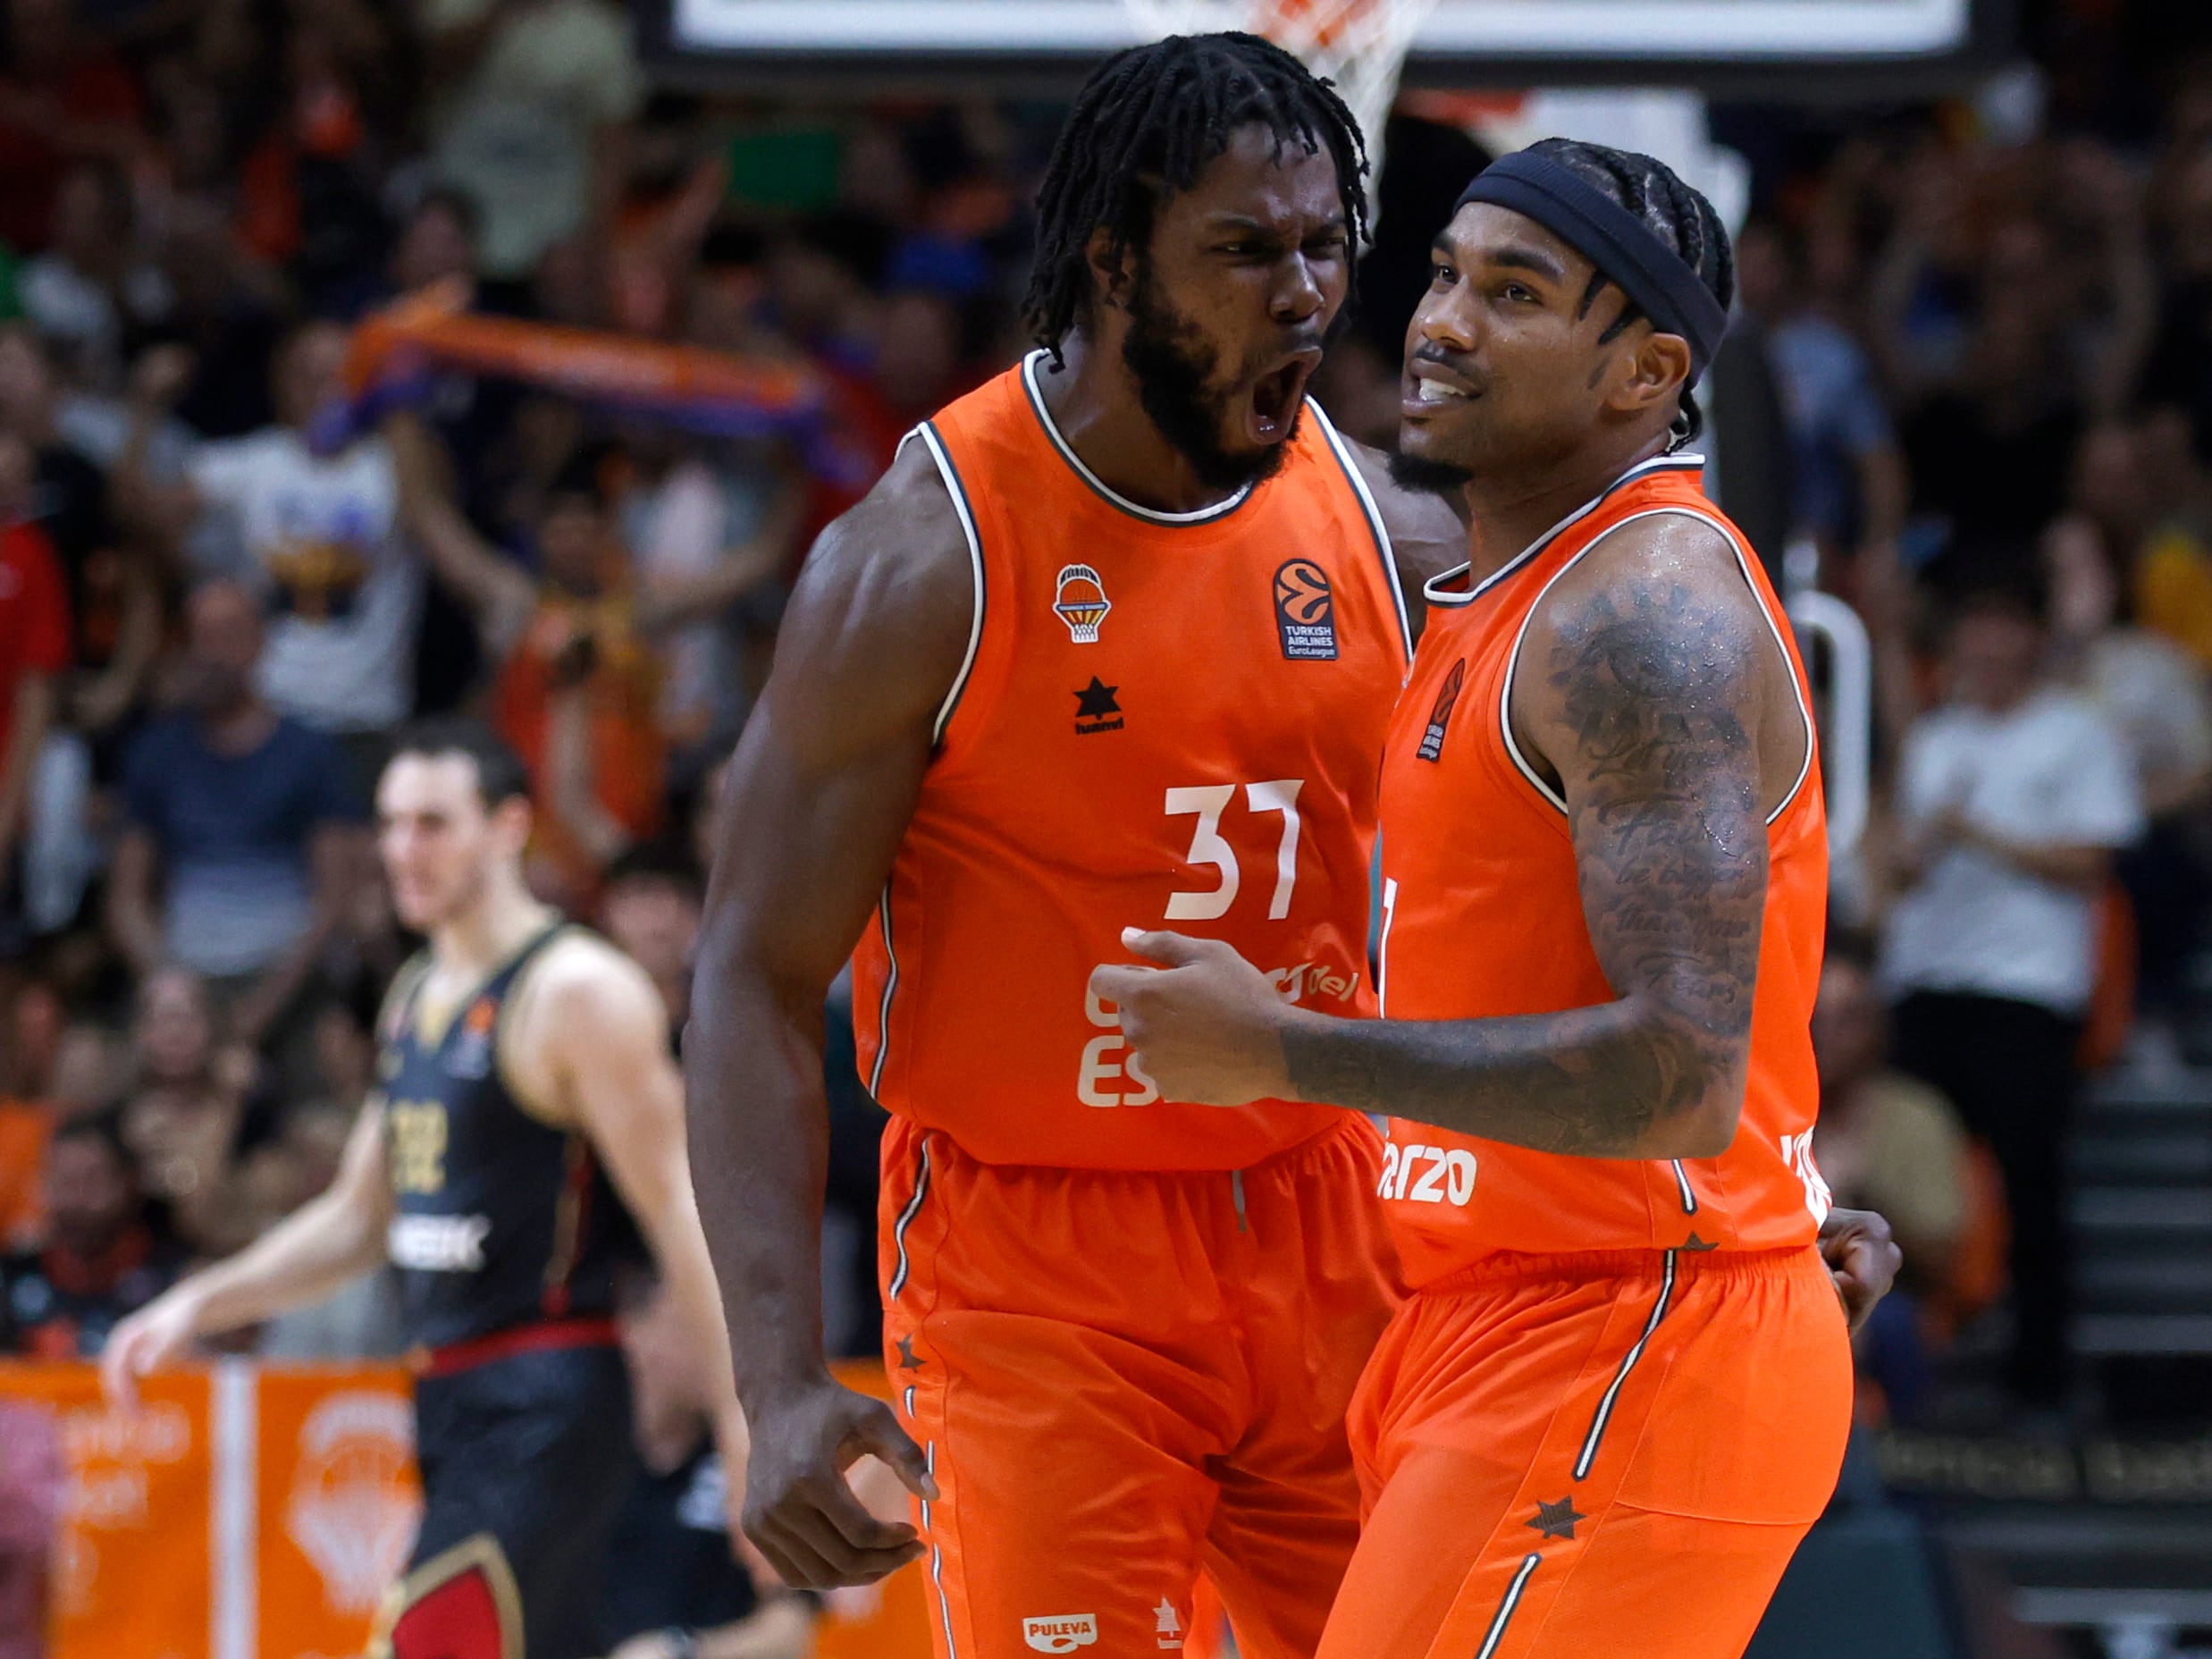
(1647, 658)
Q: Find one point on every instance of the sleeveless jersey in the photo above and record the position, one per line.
(1166, 720)
(501, 1219)
(1483, 917)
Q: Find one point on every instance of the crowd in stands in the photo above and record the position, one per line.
(1988, 336)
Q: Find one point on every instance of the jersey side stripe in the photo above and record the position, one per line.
(1605, 1405)
(898, 1231)
(890, 985)
(1375, 522)
(1504, 1615)
(951, 475)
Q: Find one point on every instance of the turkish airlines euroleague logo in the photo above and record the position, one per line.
(1306, 613)
(1446, 696)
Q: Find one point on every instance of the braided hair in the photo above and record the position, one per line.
(1147, 123)
(1679, 215)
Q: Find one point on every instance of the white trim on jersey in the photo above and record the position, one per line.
(1437, 594)
(953, 487)
(1204, 514)
(1736, 546)
(883, 1012)
(1374, 521)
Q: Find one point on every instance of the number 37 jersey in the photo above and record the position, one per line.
(1164, 720)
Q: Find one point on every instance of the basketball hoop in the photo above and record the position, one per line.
(1358, 45)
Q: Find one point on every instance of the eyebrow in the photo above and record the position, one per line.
(1514, 257)
(1221, 221)
(1530, 259)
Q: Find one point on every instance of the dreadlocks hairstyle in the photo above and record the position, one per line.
(1679, 215)
(1145, 126)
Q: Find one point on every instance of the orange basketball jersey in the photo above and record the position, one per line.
(1164, 720)
(1483, 917)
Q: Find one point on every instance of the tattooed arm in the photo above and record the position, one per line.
(1653, 700)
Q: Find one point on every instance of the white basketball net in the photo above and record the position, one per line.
(1359, 44)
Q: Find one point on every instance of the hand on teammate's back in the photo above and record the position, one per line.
(801, 1511)
(1861, 1257)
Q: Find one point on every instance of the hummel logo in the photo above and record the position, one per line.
(1095, 703)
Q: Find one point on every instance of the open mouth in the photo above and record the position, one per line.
(1277, 395)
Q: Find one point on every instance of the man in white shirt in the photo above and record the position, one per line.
(343, 590)
(2012, 799)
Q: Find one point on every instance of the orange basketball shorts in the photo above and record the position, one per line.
(1605, 1456)
(1122, 1380)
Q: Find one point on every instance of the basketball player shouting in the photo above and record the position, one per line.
(1118, 631)
(1619, 1392)
(527, 1108)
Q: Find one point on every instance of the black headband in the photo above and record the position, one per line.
(1620, 244)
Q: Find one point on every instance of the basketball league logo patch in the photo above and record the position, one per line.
(1080, 600)
(472, 1044)
(1305, 612)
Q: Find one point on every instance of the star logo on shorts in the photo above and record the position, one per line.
(1694, 1244)
(1556, 1520)
(907, 1361)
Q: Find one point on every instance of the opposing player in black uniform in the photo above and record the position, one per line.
(527, 1108)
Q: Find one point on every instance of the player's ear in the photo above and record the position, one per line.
(1112, 270)
(511, 819)
(1658, 369)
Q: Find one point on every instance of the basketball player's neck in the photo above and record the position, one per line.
(483, 934)
(1095, 403)
(1512, 506)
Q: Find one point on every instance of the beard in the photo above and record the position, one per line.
(1174, 367)
(1428, 477)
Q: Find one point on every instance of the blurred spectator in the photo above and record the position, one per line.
(64, 98)
(115, 606)
(34, 1492)
(674, 1590)
(1887, 1142)
(31, 1037)
(1988, 453)
(312, 181)
(114, 598)
(725, 525)
(224, 313)
(525, 131)
(578, 687)
(102, 1258)
(34, 655)
(89, 285)
(242, 818)
(2144, 487)
(650, 905)
(319, 539)
(2012, 799)
(1848, 476)
(186, 1116)
(2155, 695)
(1891, 1144)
